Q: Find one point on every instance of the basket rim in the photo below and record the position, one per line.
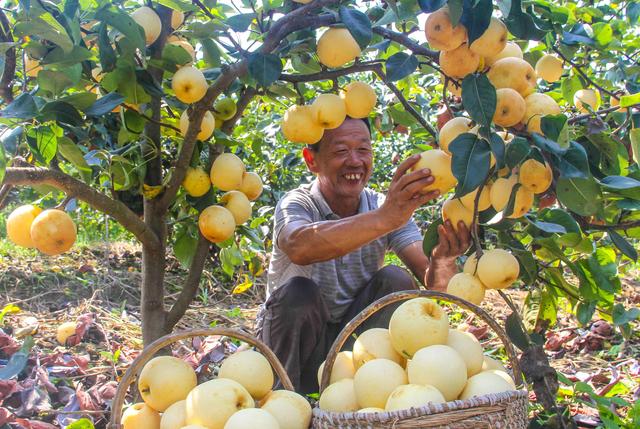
(429, 409)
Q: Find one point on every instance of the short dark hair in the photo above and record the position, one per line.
(316, 146)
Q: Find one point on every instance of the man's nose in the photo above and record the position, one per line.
(354, 157)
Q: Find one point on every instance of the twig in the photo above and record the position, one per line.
(4, 191)
(596, 113)
(583, 74)
(64, 202)
(9, 73)
(203, 8)
(405, 41)
(474, 224)
(153, 121)
(330, 74)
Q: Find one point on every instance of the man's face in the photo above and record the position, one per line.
(344, 159)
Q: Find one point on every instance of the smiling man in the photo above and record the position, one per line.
(330, 240)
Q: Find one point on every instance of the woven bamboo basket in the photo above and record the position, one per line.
(505, 410)
(149, 352)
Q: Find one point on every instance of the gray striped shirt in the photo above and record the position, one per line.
(340, 279)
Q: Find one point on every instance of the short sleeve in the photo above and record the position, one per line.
(401, 238)
(293, 208)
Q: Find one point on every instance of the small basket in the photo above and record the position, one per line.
(136, 366)
(505, 410)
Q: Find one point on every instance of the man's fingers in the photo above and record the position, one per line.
(451, 237)
(443, 242)
(404, 166)
(464, 237)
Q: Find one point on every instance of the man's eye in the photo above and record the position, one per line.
(341, 152)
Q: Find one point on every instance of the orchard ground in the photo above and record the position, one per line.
(100, 279)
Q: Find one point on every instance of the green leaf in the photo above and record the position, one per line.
(241, 22)
(185, 247)
(429, 6)
(569, 86)
(522, 25)
(47, 30)
(581, 196)
(61, 58)
(470, 163)
(83, 423)
(45, 145)
(430, 239)
(23, 107)
(124, 24)
(584, 312)
(400, 65)
(479, 98)
(515, 332)
(622, 316)
(265, 69)
(80, 100)
(358, 25)
(105, 104)
(623, 245)
(516, 151)
(211, 51)
(175, 55)
(629, 100)
(560, 217)
(72, 153)
(551, 228)
(603, 33)
(455, 11)
(552, 125)
(547, 145)
(634, 136)
(574, 162)
(498, 149)
(61, 112)
(476, 17)
(620, 182)
(108, 55)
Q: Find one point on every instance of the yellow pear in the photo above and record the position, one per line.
(336, 47)
(511, 49)
(177, 18)
(498, 269)
(615, 101)
(418, 323)
(299, 125)
(483, 384)
(510, 107)
(252, 418)
(440, 366)
(471, 264)
(514, 73)
(467, 287)
(454, 211)
(196, 181)
(140, 416)
(413, 395)
(549, 68)
(586, 97)
(53, 232)
(371, 410)
(372, 344)
(535, 176)
(491, 363)
(459, 62)
(189, 84)
(31, 66)
(165, 380)
(469, 348)
(19, 224)
(440, 165)
(251, 185)
(359, 99)
(213, 402)
(64, 331)
(251, 369)
(501, 193)
(329, 110)
(186, 46)
(452, 129)
(441, 34)
(538, 105)
(504, 374)
(227, 172)
(339, 397)
(238, 204)
(216, 223)
(492, 41)
(174, 417)
(343, 368)
(291, 410)
(225, 108)
(206, 127)
(484, 202)
(149, 20)
(375, 380)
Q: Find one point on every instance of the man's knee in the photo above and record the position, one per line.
(394, 278)
(297, 295)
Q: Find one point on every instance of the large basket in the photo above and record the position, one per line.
(506, 410)
(136, 366)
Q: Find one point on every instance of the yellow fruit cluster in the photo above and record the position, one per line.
(422, 361)
(223, 110)
(50, 231)
(240, 397)
(306, 123)
(496, 269)
(228, 173)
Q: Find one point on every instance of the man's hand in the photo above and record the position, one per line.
(442, 265)
(406, 193)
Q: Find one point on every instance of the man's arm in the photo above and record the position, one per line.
(321, 241)
(436, 272)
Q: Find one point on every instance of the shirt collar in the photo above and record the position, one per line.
(323, 206)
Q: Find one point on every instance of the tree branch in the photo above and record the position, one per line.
(243, 101)
(6, 84)
(4, 191)
(407, 106)
(80, 190)
(583, 74)
(404, 40)
(191, 284)
(596, 113)
(330, 74)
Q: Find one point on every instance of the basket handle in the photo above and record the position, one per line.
(373, 308)
(162, 342)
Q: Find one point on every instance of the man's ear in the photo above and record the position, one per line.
(310, 159)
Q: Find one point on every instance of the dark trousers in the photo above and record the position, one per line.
(295, 321)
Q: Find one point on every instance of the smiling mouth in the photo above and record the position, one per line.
(353, 176)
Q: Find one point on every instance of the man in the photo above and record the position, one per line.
(329, 243)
